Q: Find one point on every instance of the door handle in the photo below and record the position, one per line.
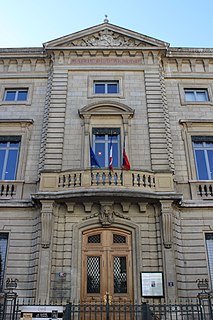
(107, 298)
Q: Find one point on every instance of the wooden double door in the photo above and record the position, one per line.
(106, 266)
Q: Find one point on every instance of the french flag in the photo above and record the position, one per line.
(126, 163)
(110, 155)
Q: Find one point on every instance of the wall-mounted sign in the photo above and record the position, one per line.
(152, 284)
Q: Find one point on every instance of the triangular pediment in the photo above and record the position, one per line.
(105, 35)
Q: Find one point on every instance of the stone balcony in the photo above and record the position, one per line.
(16, 191)
(201, 189)
(11, 189)
(101, 179)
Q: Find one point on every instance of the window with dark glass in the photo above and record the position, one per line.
(3, 252)
(203, 154)
(106, 87)
(103, 139)
(199, 95)
(16, 95)
(9, 155)
(209, 248)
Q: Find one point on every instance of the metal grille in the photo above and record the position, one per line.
(94, 239)
(120, 275)
(93, 274)
(117, 238)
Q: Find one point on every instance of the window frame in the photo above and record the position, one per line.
(106, 80)
(106, 131)
(7, 151)
(204, 148)
(17, 92)
(22, 129)
(190, 128)
(15, 87)
(195, 87)
(106, 87)
(195, 94)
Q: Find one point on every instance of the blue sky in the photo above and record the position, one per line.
(182, 23)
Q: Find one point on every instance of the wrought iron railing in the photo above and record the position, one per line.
(190, 310)
(143, 311)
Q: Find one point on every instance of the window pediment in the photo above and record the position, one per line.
(106, 108)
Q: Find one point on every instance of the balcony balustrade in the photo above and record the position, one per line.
(11, 189)
(148, 182)
(202, 190)
(136, 179)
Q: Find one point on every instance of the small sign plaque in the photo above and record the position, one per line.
(152, 284)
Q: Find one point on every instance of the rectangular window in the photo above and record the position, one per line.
(16, 95)
(209, 248)
(9, 155)
(106, 87)
(3, 253)
(203, 154)
(193, 95)
(103, 138)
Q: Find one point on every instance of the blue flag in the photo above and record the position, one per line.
(93, 159)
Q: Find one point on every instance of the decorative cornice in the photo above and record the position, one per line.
(190, 53)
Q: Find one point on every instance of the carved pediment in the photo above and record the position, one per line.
(106, 35)
(105, 38)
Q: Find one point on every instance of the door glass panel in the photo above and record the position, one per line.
(93, 274)
(120, 275)
(117, 238)
(96, 238)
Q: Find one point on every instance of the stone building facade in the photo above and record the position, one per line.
(69, 230)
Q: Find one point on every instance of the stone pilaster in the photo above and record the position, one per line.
(43, 286)
(169, 263)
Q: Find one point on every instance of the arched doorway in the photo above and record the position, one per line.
(106, 265)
